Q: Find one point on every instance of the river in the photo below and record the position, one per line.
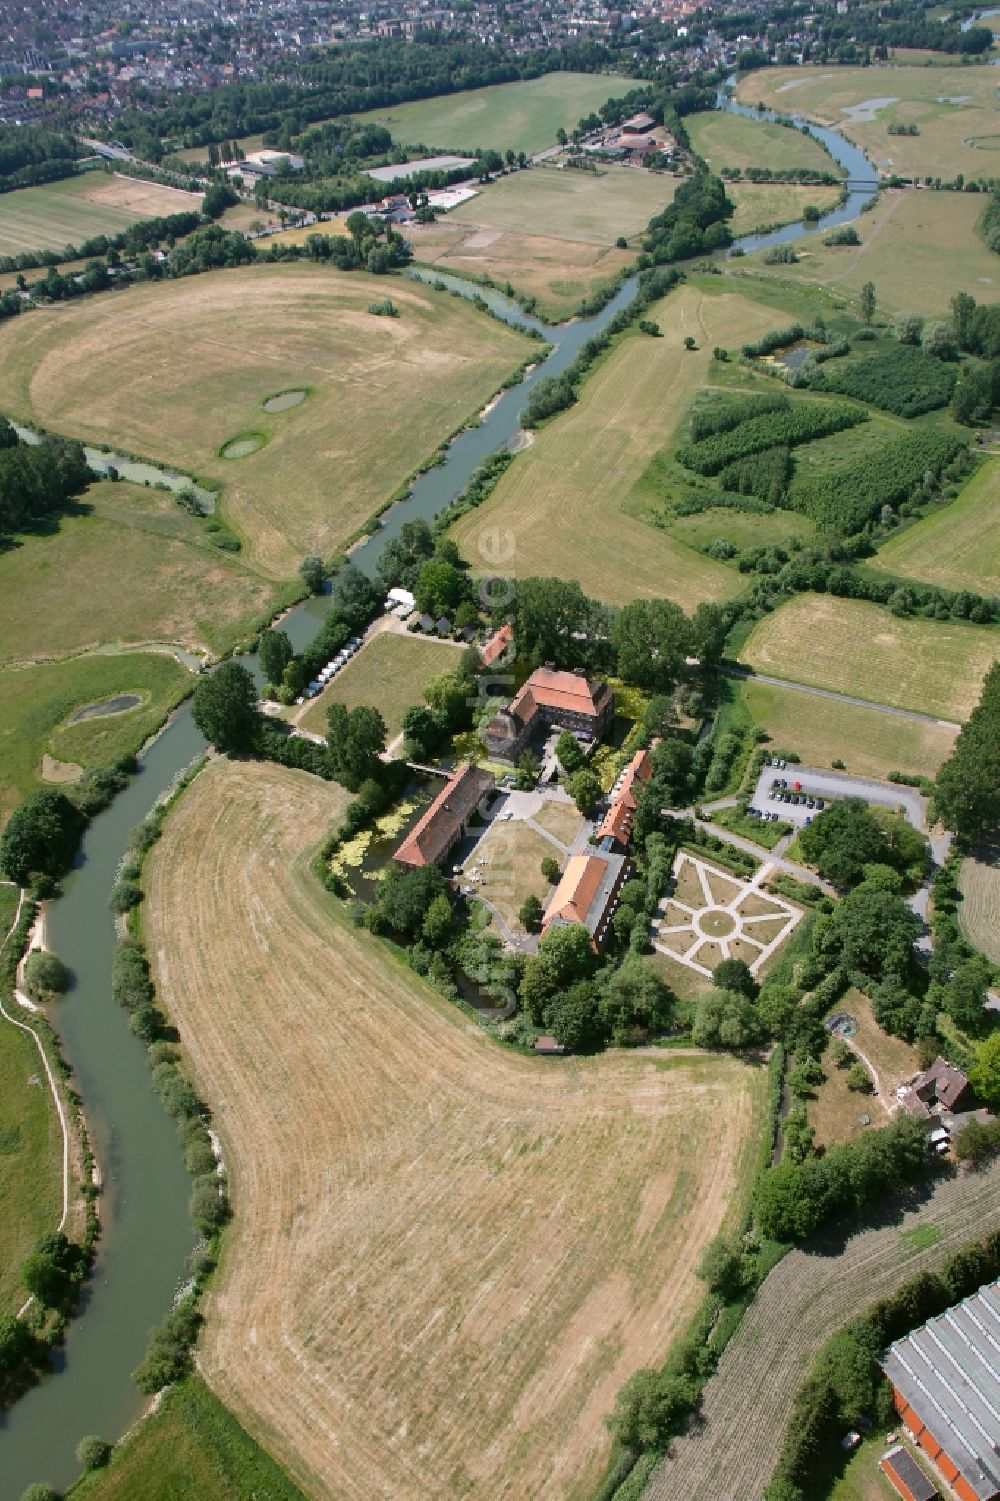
(146, 1234)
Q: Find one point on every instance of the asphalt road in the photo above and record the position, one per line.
(832, 784)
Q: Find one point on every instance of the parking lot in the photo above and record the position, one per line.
(823, 787)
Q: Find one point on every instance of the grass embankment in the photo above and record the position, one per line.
(36, 704)
(389, 673)
(852, 647)
(135, 568)
(958, 546)
(559, 505)
(176, 370)
(726, 140)
(56, 214)
(434, 1250)
(505, 116)
(190, 1449)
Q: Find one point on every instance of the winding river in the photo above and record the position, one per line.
(146, 1234)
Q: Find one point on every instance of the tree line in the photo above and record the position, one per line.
(37, 480)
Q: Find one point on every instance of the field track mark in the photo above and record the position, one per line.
(748, 674)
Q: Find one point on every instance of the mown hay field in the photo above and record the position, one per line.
(444, 1258)
(857, 648)
(952, 108)
(503, 116)
(957, 546)
(566, 204)
(558, 509)
(869, 742)
(56, 214)
(174, 371)
(917, 248)
(130, 567)
(762, 203)
(389, 673)
(979, 911)
(805, 1299)
(726, 140)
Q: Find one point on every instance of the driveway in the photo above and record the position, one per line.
(834, 784)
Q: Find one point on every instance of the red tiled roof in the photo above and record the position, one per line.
(496, 645)
(440, 826)
(552, 689)
(617, 822)
(579, 884)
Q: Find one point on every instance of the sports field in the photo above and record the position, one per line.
(174, 371)
(57, 214)
(954, 109)
(136, 569)
(566, 204)
(559, 506)
(822, 731)
(726, 140)
(504, 116)
(389, 673)
(934, 667)
(919, 249)
(958, 546)
(445, 1258)
(979, 913)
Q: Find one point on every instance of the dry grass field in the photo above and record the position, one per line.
(958, 546)
(808, 1296)
(56, 214)
(445, 1258)
(954, 110)
(389, 673)
(726, 140)
(174, 371)
(850, 646)
(570, 205)
(760, 203)
(868, 742)
(979, 913)
(558, 508)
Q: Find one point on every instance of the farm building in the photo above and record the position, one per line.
(570, 700)
(616, 824)
(945, 1381)
(447, 819)
(588, 893)
(905, 1475)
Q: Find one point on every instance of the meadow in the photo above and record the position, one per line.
(559, 506)
(952, 108)
(67, 212)
(567, 204)
(979, 911)
(37, 702)
(768, 203)
(957, 546)
(449, 1200)
(504, 116)
(726, 140)
(869, 742)
(389, 673)
(141, 570)
(836, 1110)
(174, 371)
(857, 648)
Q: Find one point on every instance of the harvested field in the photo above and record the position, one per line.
(726, 140)
(559, 508)
(56, 214)
(850, 646)
(175, 370)
(958, 546)
(569, 205)
(417, 1212)
(979, 912)
(389, 672)
(808, 1296)
(869, 742)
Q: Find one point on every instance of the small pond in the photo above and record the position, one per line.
(796, 354)
(116, 705)
(284, 401)
(243, 446)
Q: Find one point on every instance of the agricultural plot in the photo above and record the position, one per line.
(558, 504)
(979, 911)
(957, 546)
(805, 1299)
(143, 570)
(852, 647)
(433, 1252)
(565, 204)
(726, 140)
(177, 370)
(954, 110)
(504, 116)
(57, 214)
(389, 673)
(869, 742)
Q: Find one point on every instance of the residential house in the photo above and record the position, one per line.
(497, 645)
(569, 700)
(445, 822)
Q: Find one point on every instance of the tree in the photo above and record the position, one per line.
(274, 653)
(720, 1267)
(868, 301)
(984, 1075)
(847, 837)
(939, 341)
(708, 631)
(217, 199)
(312, 571)
(584, 787)
(17, 1348)
(908, 327)
(440, 587)
(405, 896)
(972, 399)
(423, 728)
(41, 837)
(556, 622)
(53, 1271)
(45, 975)
(724, 1019)
(651, 638)
(859, 1079)
(528, 769)
(530, 913)
(92, 1452)
(550, 868)
(635, 1003)
(39, 1492)
(689, 342)
(734, 974)
(871, 932)
(355, 740)
(568, 752)
(208, 1205)
(968, 784)
(453, 695)
(438, 924)
(355, 597)
(225, 709)
(784, 1208)
(967, 992)
(650, 1409)
(573, 1018)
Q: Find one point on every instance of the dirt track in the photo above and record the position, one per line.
(445, 1258)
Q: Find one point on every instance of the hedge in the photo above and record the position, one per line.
(801, 423)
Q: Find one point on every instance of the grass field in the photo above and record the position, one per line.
(37, 702)
(142, 570)
(445, 1258)
(957, 546)
(742, 528)
(726, 140)
(174, 371)
(190, 1449)
(835, 1112)
(559, 505)
(870, 743)
(761, 203)
(510, 856)
(917, 248)
(951, 108)
(810, 1294)
(570, 205)
(850, 646)
(504, 116)
(979, 912)
(389, 673)
(68, 212)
